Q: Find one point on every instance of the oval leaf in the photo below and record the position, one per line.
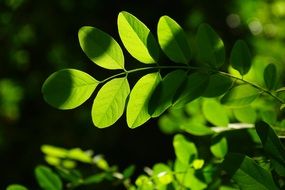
(68, 88)
(137, 108)
(215, 113)
(270, 76)
(173, 40)
(109, 103)
(16, 187)
(163, 94)
(245, 114)
(217, 86)
(191, 89)
(240, 96)
(219, 146)
(240, 58)
(210, 48)
(47, 179)
(101, 48)
(185, 151)
(137, 38)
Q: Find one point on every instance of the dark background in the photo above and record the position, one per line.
(40, 37)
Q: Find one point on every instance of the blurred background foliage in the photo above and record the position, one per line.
(40, 37)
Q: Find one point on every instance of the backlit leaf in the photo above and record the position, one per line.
(47, 179)
(68, 88)
(173, 40)
(215, 113)
(196, 129)
(219, 146)
(162, 174)
(247, 174)
(240, 96)
(217, 86)
(270, 76)
(209, 46)
(191, 89)
(245, 114)
(109, 103)
(240, 58)
(101, 48)
(185, 151)
(163, 94)
(137, 108)
(137, 38)
(16, 187)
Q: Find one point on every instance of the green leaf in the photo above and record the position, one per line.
(191, 89)
(109, 103)
(162, 174)
(240, 58)
(196, 129)
(163, 94)
(137, 108)
(215, 113)
(271, 143)
(247, 174)
(240, 96)
(68, 88)
(185, 151)
(270, 76)
(173, 40)
(137, 38)
(94, 179)
(101, 48)
(217, 86)
(210, 48)
(245, 114)
(129, 171)
(47, 179)
(16, 187)
(219, 146)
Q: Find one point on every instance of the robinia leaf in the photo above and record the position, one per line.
(217, 86)
(137, 38)
(101, 48)
(247, 174)
(270, 76)
(240, 58)
(219, 146)
(215, 113)
(185, 151)
(240, 96)
(173, 40)
(16, 187)
(68, 88)
(137, 108)
(191, 89)
(109, 104)
(245, 114)
(162, 174)
(47, 179)
(163, 94)
(210, 48)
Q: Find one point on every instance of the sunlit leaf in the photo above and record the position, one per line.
(137, 108)
(68, 88)
(101, 48)
(196, 129)
(271, 143)
(162, 174)
(215, 113)
(191, 89)
(173, 40)
(109, 104)
(54, 151)
(245, 114)
(47, 179)
(219, 146)
(240, 57)
(80, 155)
(16, 187)
(247, 174)
(270, 76)
(209, 46)
(144, 183)
(137, 38)
(185, 151)
(240, 96)
(163, 94)
(217, 86)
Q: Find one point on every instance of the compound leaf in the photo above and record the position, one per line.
(173, 40)
(137, 38)
(47, 179)
(101, 48)
(240, 58)
(217, 86)
(270, 76)
(137, 108)
(68, 88)
(109, 104)
(210, 48)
